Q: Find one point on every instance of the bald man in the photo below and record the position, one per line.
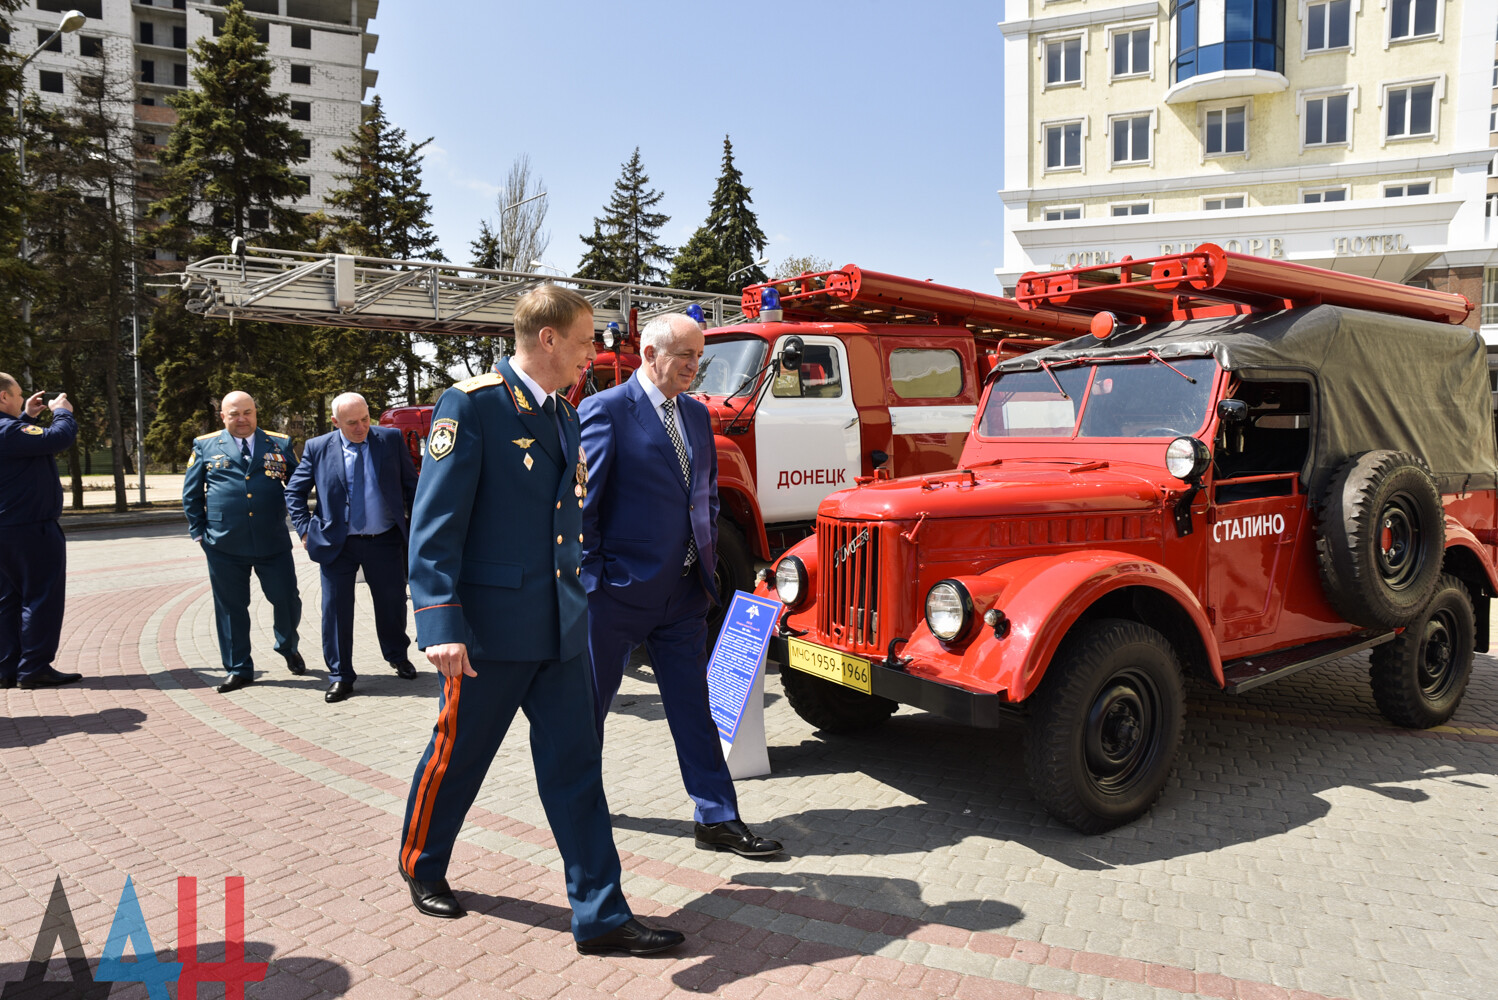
(365, 481)
(234, 497)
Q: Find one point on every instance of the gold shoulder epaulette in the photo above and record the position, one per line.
(205, 437)
(480, 381)
(278, 434)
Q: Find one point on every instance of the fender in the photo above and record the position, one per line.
(1458, 536)
(1042, 596)
(737, 496)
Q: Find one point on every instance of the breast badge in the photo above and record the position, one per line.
(524, 443)
(442, 439)
(275, 465)
(581, 475)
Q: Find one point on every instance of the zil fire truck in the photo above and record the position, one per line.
(823, 379)
(1248, 469)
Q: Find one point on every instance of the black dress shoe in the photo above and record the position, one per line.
(235, 682)
(338, 691)
(295, 663)
(404, 669)
(7, 682)
(632, 938)
(48, 678)
(435, 899)
(733, 835)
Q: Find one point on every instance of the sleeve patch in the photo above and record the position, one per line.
(442, 438)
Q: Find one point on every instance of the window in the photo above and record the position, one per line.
(1328, 25)
(179, 36)
(1492, 206)
(1490, 295)
(301, 111)
(1063, 62)
(301, 38)
(818, 378)
(259, 218)
(1131, 51)
(1136, 208)
(1406, 190)
(1409, 111)
(303, 149)
(1063, 213)
(148, 138)
(1063, 146)
(1223, 202)
(1326, 120)
(1412, 18)
(925, 374)
(51, 82)
(301, 74)
(179, 74)
(147, 33)
(1493, 118)
(5, 40)
(1495, 72)
(305, 180)
(1227, 131)
(1131, 139)
(91, 46)
(147, 71)
(42, 34)
(149, 102)
(1324, 195)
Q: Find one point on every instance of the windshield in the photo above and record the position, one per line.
(1129, 399)
(726, 364)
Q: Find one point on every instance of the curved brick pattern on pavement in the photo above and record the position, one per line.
(1302, 849)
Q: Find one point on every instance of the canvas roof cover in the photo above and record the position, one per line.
(1382, 381)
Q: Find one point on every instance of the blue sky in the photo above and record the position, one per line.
(870, 131)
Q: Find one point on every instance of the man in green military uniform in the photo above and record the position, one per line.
(234, 498)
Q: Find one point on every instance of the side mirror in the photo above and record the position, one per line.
(1232, 411)
(790, 354)
(877, 458)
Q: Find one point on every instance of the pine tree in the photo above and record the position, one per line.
(227, 160)
(624, 245)
(729, 241)
(15, 274)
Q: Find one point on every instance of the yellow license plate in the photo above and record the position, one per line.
(829, 664)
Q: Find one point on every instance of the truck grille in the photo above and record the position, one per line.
(848, 557)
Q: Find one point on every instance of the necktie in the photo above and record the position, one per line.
(356, 493)
(669, 409)
(549, 407)
(244, 451)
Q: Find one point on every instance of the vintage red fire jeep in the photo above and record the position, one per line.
(1252, 468)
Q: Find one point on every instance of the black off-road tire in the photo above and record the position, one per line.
(1419, 678)
(734, 571)
(1105, 725)
(831, 707)
(1381, 538)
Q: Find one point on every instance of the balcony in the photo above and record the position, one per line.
(1224, 49)
(1226, 84)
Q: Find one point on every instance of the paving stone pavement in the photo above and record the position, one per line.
(1303, 849)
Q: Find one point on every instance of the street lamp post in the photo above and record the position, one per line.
(71, 21)
(558, 270)
(502, 210)
(748, 267)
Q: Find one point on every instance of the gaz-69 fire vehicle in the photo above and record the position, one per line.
(1249, 469)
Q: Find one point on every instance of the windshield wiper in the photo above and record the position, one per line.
(1046, 367)
(1156, 357)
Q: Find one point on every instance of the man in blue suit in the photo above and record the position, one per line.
(234, 497)
(496, 547)
(365, 481)
(650, 533)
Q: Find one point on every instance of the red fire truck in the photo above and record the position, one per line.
(1249, 468)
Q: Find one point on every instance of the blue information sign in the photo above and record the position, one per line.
(737, 657)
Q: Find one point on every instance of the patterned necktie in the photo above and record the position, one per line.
(244, 451)
(669, 409)
(356, 493)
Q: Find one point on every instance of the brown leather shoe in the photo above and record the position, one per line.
(632, 938)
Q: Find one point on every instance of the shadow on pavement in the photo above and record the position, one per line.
(32, 730)
(72, 977)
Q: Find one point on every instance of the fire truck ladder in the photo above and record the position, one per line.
(419, 296)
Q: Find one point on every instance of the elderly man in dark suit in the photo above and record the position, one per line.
(650, 531)
(233, 494)
(365, 481)
(496, 547)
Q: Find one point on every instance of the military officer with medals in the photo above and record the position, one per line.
(496, 551)
(234, 497)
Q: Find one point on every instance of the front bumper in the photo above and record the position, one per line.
(981, 711)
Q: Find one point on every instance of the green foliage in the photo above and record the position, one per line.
(625, 242)
(14, 274)
(729, 241)
(803, 264)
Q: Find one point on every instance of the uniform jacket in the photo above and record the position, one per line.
(640, 510)
(322, 466)
(30, 490)
(496, 529)
(239, 511)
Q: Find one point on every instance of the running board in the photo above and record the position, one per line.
(1251, 671)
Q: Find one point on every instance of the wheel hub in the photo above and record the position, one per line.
(1118, 729)
(1398, 544)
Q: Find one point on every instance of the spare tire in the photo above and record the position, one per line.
(1381, 539)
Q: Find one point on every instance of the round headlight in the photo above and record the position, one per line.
(949, 610)
(1186, 458)
(790, 581)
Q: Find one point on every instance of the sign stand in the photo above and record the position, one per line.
(736, 683)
